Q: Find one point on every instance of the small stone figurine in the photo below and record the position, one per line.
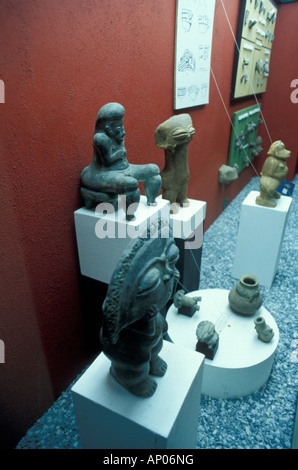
(186, 305)
(265, 332)
(274, 171)
(207, 339)
(174, 136)
(109, 174)
(133, 327)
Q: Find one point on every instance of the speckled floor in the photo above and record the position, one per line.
(263, 420)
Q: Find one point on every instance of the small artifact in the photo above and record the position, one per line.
(186, 305)
(265, 332)
(227, 174)
(174, 136)
(274, 171)
(207, 338)
(245, 297)
(109, 174)
(133, 327)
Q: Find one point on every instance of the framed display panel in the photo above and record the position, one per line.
(193, 45)
(254, 40)
(244, 143)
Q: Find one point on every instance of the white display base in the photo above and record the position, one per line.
(102, 238)
(188, 219)
(259, 240)
(242, 363)
(109, 417)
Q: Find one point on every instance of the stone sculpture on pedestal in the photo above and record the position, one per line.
(174, 136)
(274, 171)
(133, 327)
(207, 338)
(185, 304)
(109, 174)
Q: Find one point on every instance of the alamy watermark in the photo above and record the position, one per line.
(2, 352)
(294, 94)
(2, 92)
(112, 224)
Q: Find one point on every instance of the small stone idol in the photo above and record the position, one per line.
(273, 173)
(173, 136)
(207, 339)
(186, 305)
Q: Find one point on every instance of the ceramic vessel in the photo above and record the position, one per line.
(245, 297)
(265, 332)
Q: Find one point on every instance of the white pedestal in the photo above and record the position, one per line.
(109, 417)
(188, 230)
(188, 220)
(242, 363)
(260, 236)
(102, 238)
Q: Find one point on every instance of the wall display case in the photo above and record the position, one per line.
(255, 38)
(245, 145)
(194, 28)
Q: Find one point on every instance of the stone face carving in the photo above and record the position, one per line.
(265, 332)
(274, 171)
(174, 136)
(133, 327)
(185, 304)
(109, 174)
(245, 297)
(227, 174)
(207, 339)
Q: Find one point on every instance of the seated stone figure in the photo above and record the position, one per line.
(133, 327)
(109, 174)
(273, 173)
(174, 136)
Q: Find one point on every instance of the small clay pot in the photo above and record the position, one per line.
(245, 297)
(265, 332)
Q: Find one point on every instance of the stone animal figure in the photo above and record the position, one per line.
(174, 136)
(133, 327)
(274, 171)
(109, 174)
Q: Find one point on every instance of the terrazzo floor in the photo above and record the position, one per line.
(263, 420)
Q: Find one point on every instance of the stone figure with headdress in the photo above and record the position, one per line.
(133, 327)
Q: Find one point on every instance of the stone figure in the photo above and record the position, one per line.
(109, 174)
(207, 338)
(186, 305)
(265, 332)
(133, 327)
(174, 136)
(227, 174)
(274, 171)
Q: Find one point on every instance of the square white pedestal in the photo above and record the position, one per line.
(109, 417)
(188, 231)
(188, 220)
(102, 238)
(260, 237)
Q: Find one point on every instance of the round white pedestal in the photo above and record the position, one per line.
(242, 363)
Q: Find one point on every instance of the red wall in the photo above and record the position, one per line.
(60, 62)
